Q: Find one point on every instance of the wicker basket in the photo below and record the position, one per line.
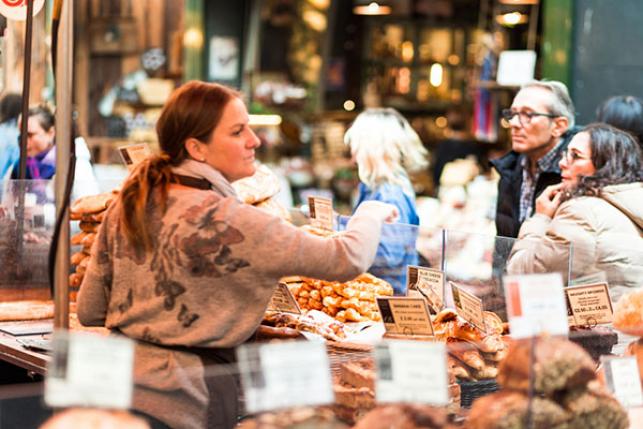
(339, 353)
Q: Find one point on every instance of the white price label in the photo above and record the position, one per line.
(623, 379)
(133, 154)
(536, 304)
(90, 370)
(282, 300)
(321, 212)
(429, 282)
(590, 305)
(285, 374)
(405, 316)
(411, 371)
(468, 306)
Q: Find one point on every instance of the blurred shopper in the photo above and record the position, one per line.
(624, 112)
(541, 119)
(41, 154)
(385, 147)
(9, 134)
(598, 209)
(187, 270)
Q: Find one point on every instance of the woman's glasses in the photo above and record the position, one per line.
(523, 117)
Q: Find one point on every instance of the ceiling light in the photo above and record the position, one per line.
(373, 8)
(519, 1)
(511, 19)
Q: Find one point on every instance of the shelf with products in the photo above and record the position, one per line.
(418, 64)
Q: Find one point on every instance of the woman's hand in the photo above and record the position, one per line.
(549, 200)
(385, 212)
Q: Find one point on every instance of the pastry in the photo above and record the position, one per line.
(403, 416)
(258, 187)
(92, 204)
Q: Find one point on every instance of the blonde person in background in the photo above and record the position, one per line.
(386, 148)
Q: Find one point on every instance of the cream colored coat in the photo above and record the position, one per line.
(606, 234)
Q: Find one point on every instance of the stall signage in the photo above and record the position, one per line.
(133, 154)
(591, 304)
(411, 371)
(536, 304)
(90, 370)
(405, 316)
(468, 306)
(429, 282)
(16, 10)
(285, 374)
(623, 379)
(321, 212)
(283, 300)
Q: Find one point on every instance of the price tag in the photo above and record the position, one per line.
(321, 212)
(623, 379)
(591, 304)
(90, 370)
(429, 282)
(405, 316)
(536, 304)
(285, 374)
(468, 306)
(133, 154)
(283, 301)
(411, 371)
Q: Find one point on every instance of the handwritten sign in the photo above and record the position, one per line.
(283, 301)
(285, 374)
(134, 154)
(411, 371)
(591, 304)
(623, 379)
(429, 282)
(405, 316)
(90, 370)
(536, 304)
(468, 306)
(321, 212)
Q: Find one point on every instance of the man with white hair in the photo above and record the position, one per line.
(541, 119)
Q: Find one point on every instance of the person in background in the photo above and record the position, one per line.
(185, 269)
(624, 112)
(9, 133)
(597, 209)
(41, 154)
(385, 147)
(541, 119)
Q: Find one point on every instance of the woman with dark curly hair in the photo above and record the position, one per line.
(597, 209)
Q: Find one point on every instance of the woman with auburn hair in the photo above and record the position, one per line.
(184, 268)
(385, 147)
(597, 209)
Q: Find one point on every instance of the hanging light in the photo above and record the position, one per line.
(372, 8)
(519, 1)
(511, 19)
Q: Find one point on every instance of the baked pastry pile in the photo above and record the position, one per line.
(90, 211)
(547, 383)
(628, 313)
(312, 321)
(473, 354)
(352, 301)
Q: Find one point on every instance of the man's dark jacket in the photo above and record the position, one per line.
(508, 207)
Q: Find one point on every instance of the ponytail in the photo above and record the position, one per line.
(152, 174)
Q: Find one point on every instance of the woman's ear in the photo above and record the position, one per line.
(194, 149)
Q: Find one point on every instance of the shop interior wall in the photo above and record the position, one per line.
(608, 53)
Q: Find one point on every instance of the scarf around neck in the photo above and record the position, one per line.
(201, 170)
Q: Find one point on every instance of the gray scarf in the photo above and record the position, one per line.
(201, 170)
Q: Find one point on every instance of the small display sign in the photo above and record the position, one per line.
(591, 304)
(283, 301)
(623, 379)
(321, 212)
(429, 282)
(411, 371)
(468, 306)
(285, 374)
(134, 154)
(405, 316)
(90, 370)
(536, 305)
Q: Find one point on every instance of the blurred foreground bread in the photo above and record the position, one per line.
(88, 418)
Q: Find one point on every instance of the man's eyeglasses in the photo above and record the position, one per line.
(523, 117)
